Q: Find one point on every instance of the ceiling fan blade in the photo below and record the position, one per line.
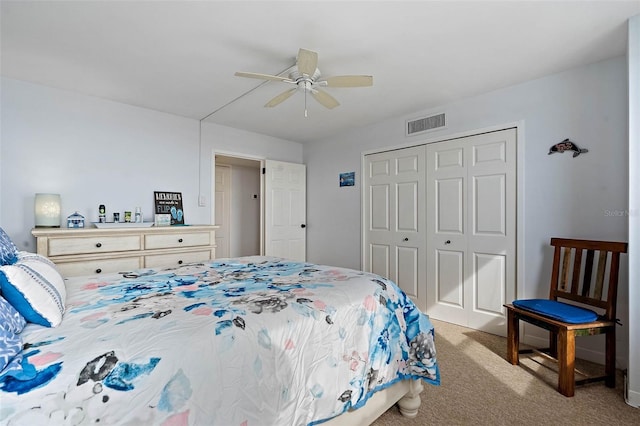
(307, 62)
(349, 81)
(281, 98)
(324, 98)
(263, 76)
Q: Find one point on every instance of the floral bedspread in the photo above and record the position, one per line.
(245, 341)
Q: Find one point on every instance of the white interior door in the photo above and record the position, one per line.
(285, 210)
(471, 229)
(395, 242)
(223, 209)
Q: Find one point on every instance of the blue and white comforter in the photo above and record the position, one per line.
(246, 341)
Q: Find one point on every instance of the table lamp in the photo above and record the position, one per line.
(47, 210)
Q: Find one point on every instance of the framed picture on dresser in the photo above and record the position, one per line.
(168, 203)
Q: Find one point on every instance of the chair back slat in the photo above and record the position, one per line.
(588, 268)
(554, 272)
(572, 279)
(602, 264)
(613, 285)
(577, 263)
(565, 270)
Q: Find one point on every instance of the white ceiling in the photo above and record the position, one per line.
(180, 57)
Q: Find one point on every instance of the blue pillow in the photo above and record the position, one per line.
(35, 288)
(8, 250)
(557, 310)
(11, 324)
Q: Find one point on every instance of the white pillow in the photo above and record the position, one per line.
(35, 288)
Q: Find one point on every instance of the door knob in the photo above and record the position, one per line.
(405, 239)
(448, 242)
(303, 226)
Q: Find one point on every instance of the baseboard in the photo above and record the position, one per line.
(631, 397)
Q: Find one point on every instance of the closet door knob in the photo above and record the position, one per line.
(180, 240)
(303, 226)
(179, 262)
(99, 245)
(405, 239)
(98, 270)
(448, 242)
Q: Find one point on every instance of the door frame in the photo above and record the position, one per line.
(520, 187)
(227, 211)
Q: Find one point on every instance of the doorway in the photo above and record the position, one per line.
(237, 206)
(259, 207)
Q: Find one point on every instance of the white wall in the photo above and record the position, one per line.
(582, 197)
(93, 151)
(634, 209)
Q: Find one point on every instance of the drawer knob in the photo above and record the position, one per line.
(180, 240)
(99, 245)
(179, 262)
(98, 270)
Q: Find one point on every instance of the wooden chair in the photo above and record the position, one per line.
(572, 281)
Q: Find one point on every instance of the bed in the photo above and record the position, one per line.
(243, 341)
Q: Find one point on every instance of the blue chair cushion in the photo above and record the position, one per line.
(557, 310)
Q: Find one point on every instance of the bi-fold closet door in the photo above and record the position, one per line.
(461, 210)
(395, 238)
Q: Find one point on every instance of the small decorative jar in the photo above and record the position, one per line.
(76, 220)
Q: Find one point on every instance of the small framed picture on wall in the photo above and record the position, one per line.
(348, 179)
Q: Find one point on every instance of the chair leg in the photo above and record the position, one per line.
(566, 362)
(513, 338)
(553, 344)
(610, 358)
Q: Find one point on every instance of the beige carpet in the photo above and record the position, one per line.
(479, 387)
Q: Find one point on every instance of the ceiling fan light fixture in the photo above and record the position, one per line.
(306, 76)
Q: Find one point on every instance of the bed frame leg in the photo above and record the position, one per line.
(410, 403)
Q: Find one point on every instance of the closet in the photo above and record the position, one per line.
(440, 221)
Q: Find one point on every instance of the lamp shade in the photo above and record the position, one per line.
(47, 210)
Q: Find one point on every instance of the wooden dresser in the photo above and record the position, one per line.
(92, 251)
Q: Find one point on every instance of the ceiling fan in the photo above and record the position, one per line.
(306, 77)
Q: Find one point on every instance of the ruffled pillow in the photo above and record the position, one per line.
(35, 288)
(8, 250)
(11, 324)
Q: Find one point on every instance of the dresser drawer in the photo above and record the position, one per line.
(176, 259)
(96, 267)
(96, 244)
(91, 252)
(187, 239)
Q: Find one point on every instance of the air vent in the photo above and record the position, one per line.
(425, 124)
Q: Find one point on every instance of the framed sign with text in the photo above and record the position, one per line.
(169, 205)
